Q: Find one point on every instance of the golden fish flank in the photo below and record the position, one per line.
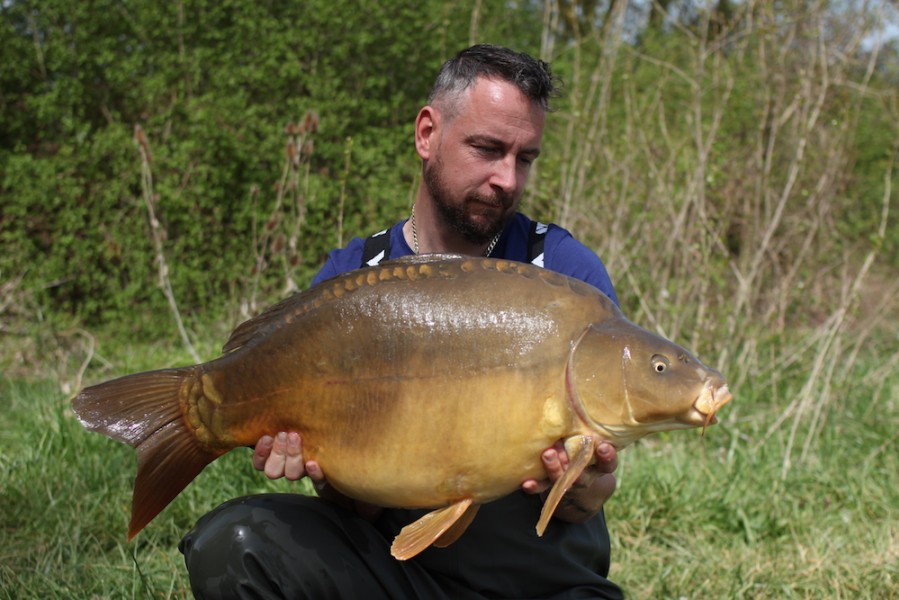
(374, 366)
(554, 415)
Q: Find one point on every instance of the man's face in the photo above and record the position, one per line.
(479, 161)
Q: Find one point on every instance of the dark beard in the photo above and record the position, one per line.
(456, 216)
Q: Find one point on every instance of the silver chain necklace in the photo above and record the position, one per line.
(487, 252)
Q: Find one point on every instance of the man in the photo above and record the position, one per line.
(477, 139)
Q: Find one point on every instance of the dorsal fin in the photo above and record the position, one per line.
(277, 314)
(579, 457)
(274, 316)
(417, 259)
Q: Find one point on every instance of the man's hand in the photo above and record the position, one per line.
(589, 492)
(282, 456)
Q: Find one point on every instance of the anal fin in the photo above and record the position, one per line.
(417, 536)
(580, 454)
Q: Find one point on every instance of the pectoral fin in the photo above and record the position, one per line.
(580, 454)
(431, 528)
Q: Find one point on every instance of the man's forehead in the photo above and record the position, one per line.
(484, 92)
(496, 90)
(491, 99)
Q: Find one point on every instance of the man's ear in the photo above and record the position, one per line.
(425, 127)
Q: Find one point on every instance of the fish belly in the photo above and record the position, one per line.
(410, 441)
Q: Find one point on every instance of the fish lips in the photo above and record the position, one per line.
(709, 402)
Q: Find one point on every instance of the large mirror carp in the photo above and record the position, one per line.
(426, 382)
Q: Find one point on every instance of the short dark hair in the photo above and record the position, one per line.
(530, 75)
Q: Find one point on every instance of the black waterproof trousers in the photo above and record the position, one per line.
(294, 546)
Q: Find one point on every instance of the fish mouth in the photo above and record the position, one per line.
(708, 404)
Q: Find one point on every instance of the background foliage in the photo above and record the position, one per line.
(172, 168)
(710, 119)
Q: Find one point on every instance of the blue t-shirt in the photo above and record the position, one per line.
(500, 555)
(563, 254)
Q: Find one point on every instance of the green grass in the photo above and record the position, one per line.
(694, 517)
(66, 502)
(714, 517)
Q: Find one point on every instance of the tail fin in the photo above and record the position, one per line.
(144, 411)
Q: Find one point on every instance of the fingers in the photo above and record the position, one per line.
(598, 476)
(555, 461)
(314, 471)
(293, 465)
(532, 486)
(262, 451)
(274, 464)
(285, 458)
(606, 458)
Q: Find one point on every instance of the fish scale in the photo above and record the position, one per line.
(379, 368)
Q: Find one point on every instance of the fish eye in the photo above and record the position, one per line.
(660, 364)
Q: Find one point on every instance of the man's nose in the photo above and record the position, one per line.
(505, 174)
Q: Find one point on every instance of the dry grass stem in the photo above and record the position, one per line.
(143, 146)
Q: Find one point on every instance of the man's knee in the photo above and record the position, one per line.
(220, 548)
(274, 545)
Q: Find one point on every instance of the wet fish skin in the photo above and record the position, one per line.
(380, 369)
